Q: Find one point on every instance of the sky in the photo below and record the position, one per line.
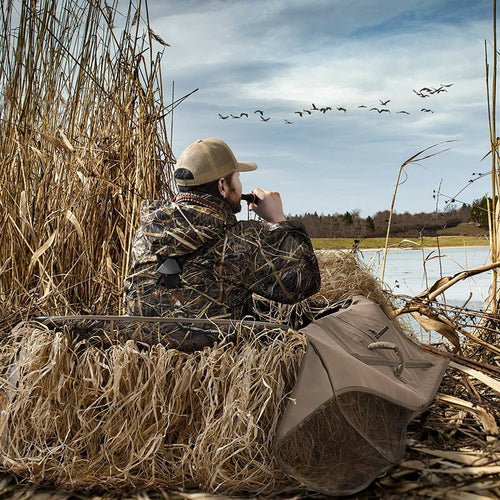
(283, 56)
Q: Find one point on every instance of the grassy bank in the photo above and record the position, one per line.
(442, 241)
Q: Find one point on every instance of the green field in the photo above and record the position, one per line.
(442, 241)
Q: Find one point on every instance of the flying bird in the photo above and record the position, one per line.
(259, 111)
(446, 84)
(223, 117)
(314, 107)
(307, 111)
(420, 94)
(288, 122)
(325, 109)
(299, 113)
(234, 116)
(342, 109)
(380, 110)
(265, 119)
(384, 103)
(427, 110)
(361, 106)
(405, 112)
(439, 90)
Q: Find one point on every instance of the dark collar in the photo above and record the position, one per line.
(212, 202)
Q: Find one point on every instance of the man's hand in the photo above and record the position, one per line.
(268, 206)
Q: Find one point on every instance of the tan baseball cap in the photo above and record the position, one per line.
(208, 160)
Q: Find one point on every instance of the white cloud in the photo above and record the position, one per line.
(285, 55)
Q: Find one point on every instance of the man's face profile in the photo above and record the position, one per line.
(233, 193)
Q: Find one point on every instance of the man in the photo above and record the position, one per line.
(192, 258)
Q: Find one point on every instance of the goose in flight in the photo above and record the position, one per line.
(420, 93)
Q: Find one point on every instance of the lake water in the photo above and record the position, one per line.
(409, 272)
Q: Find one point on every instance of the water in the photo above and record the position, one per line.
(409, 272)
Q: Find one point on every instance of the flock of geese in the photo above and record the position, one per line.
(423, 93)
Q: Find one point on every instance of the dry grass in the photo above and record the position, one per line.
(83, 141)
(130, 417)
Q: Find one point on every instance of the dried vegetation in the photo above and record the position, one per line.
(83, 141)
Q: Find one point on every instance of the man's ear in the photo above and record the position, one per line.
(222, 186)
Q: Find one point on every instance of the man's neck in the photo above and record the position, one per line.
(216, 203)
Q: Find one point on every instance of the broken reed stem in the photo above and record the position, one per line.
(413, 159)
(460, 276)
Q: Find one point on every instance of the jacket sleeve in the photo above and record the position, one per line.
(277, 261)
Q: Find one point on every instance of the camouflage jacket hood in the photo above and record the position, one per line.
(224, 261)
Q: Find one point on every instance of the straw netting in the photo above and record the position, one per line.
(133, 415)
(79, 414)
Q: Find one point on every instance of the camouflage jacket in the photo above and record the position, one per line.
(224, 261)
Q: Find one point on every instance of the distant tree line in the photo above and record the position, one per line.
(352, 225)
(480, 210)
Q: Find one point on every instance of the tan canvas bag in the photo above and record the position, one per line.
(360, 383)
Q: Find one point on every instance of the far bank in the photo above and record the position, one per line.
(397, 242)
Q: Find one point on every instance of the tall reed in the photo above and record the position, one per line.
(83, 139)
(417, 157)
(493, 206)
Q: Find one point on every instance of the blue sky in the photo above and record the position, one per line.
(281, 56)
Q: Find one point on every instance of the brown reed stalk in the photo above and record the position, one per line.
(83, 142)
(493, 207)
(413, 159)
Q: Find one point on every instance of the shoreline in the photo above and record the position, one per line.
(402, 249)
(399, 243)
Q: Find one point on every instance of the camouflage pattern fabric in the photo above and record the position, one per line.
(225, 261)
